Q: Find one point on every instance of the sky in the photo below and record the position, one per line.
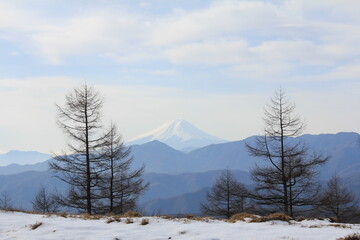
(214, 63)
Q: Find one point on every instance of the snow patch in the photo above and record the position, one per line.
(15, 225)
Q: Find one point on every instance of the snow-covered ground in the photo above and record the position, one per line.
(16, 225)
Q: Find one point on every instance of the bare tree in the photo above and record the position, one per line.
(226, 197)
(80, 119)
(45, 202)
(6, 202)
(338, 201)
(286, 178)
(121, 186)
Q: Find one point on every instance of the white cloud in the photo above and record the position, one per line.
(211, 53)
(164, 72)
(268, 42)
(282, 35)
(107, 33)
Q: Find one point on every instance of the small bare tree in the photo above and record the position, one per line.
(45, 202)
(288, 177)
(226, 197)
(120, 185)
(338, 201)
(6, 202)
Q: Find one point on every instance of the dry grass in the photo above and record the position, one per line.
(114, 218)
(254, 218)
(63, 214)
(131, 214)
(35, 225)
(340, 225)
(144, 221)
(354, 236)
(129, 221)
(203, 219)
(276, 216)
(242, 217)
(301, 218)
(110, 220)
(337, 225)
(315, 226)
(87, 216)
(168, 217)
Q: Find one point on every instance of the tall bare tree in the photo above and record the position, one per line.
(338, 201)
(287, 176)
(121, 185)
(45, 202)
(80, 119)
(226, 197)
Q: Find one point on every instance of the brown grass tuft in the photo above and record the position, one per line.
(340, 225)
(110, 220)
(202, 219)
(87, 216)
(315, 226)
(129, 221)
(354, 236)
(63, 214)
(131, 214)
(35, 225)
(114, 218)
(242, 217)
(254, 218)
(144, 221)
(277, 216)
(301, 218)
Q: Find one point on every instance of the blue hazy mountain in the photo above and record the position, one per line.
(188, 203)
(17, 168)
(22, 157)
(22, 187)
(175, 176)
(342, 148)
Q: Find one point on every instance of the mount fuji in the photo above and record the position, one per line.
(180, 135)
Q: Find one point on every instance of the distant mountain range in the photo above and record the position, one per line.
(22, 188)
(178, 178)
(178, 134)
(343, 149)
(22, 157)
(17, 168)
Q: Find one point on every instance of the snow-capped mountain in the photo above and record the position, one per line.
(178, 134)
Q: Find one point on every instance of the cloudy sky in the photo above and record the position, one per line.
(214, 63)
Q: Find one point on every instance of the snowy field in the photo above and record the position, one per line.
(16, 225)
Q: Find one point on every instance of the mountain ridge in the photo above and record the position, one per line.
(23, 157)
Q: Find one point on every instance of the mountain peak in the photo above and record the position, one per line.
(178, 134)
